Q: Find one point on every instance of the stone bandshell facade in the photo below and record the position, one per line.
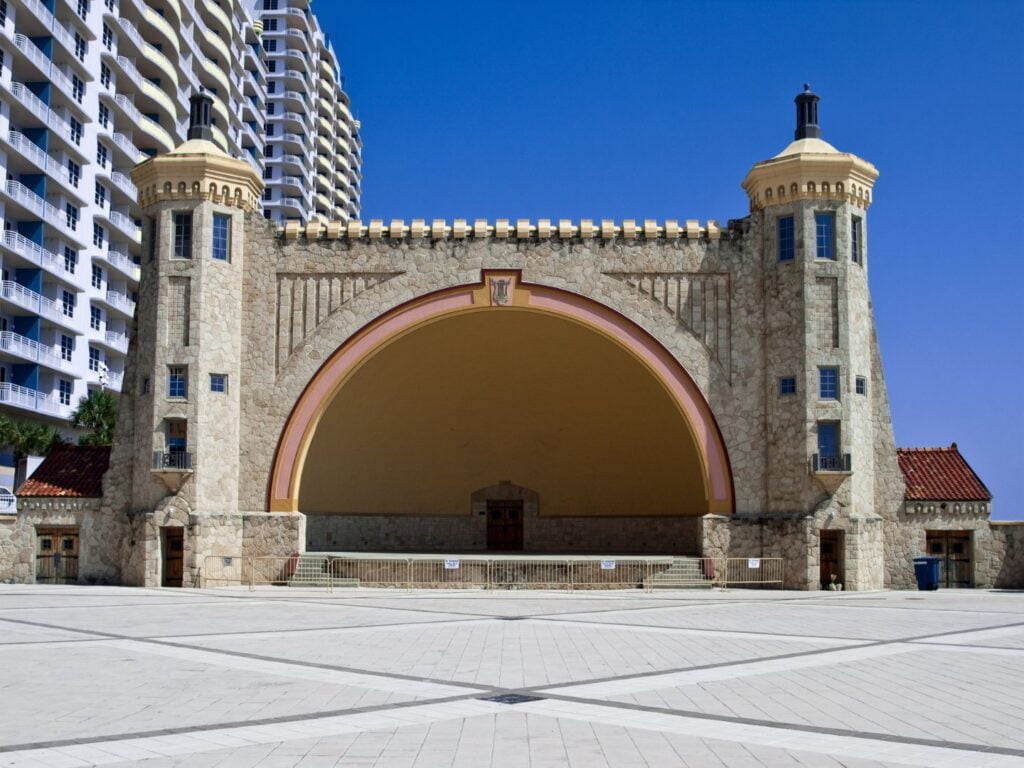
(729, 310)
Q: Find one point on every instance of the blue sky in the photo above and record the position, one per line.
(657, 109)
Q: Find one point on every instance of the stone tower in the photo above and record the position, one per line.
(185, 364)
(810, 202)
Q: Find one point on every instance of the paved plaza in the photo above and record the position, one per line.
(288, 677)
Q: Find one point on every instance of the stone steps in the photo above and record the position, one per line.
(684, 573)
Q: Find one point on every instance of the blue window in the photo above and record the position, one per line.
(828, 383)
(787, 247)
(787, 385)
(219, 382)
(221, 237)
(828, 444)
(861, 385)
(177, 381)
(824, 227)
(183, 235)
(857, 239)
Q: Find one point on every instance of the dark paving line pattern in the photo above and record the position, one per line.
(793, 726)
(187, 729)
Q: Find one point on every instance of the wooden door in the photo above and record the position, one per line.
(56, 555)
(174, 557)
(830, 558)
(953, 548)
(504, 525)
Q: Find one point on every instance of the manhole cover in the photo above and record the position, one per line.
(511, 698)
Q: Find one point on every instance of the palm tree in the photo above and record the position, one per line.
(27, 438)
(98, 414)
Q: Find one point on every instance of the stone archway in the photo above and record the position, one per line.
(457, 389)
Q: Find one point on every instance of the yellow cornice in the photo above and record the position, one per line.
(810, 175)
(205, 174)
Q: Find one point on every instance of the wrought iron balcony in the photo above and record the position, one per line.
(172, 461)
(842, 463)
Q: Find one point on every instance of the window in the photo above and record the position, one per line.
(824, 227)
(177, 381)
(270, 46)
(787, 385)
(268, 195)
(271, 108)
(183, 235)
(98, 235)
(70, 259)
(221, 237)
(269, 5)
(828, 445)
(94, 359)
(271, 89)
(67, 347)
(787, 246)
(857, 239)
(177, 436)
(108, 39)
(76, 130)
(95, 318)
(83, 8)
(268, 173)
(145, 385)
(77, 88)
(1, 52)
(71, 216)
(101, 156)
(64, 387)
(105, 72)
(3, 12)
(219, 383)
(97, 277)
(828, 383)
(271, 66)
(861, 385)
(104, 113)
(101, 195)
(67, 301)
(80, 47)
(269, 129)
(74, 173)
(270, 25)
(268, 151)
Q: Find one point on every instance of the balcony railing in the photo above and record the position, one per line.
(39, 206)
(126, 225)
(125, 184)
(31, 399)
(120, 261)
(128, 147)
(120, 301)
(28, 349)
(34, 253)
(29, 299)
(8, 504)
(36, 155)
(174, 461)
(41, 60)
(35, 105)
(842, 463)
(116, 340)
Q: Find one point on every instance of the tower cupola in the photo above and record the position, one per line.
(807, 115)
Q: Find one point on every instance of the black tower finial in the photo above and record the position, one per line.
(807, 115)
(200, 125)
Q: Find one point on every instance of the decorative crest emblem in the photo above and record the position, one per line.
(500, 293)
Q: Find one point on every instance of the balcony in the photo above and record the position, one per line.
(123, 183)
(32, 400)
(37, 205)
(135, 155)
(116, 341)
(831, 471)
(21, 296)
(112, 380)
(121, 262)
(118, 302)
(46, 66)
(172, 461)
(35, 155)
(27, 349)
(125, 225)
(47, 116)
(29, 251)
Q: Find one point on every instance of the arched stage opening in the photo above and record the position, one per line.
(502, 417)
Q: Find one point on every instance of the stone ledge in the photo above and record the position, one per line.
(503, 229)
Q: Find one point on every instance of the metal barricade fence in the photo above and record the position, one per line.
(751, 570)
(484, 572)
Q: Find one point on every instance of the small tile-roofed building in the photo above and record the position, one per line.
(934, 474)
(70, 471)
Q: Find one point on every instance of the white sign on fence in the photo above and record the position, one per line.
(607, 565)
(754, 563)
(451, 565)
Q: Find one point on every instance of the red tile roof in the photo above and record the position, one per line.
(940, 474)
(71, 471)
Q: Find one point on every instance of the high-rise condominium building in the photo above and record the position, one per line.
(313, 154)
(88, 88)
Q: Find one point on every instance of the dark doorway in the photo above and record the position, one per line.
(56, 556)
(504, 525)
(174, 557)
(830, 558)
(953, 548)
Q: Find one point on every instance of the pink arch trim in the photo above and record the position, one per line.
(298, 431)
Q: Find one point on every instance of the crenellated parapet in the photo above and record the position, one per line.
(505, 229)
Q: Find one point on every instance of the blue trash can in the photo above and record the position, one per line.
(926, 569)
